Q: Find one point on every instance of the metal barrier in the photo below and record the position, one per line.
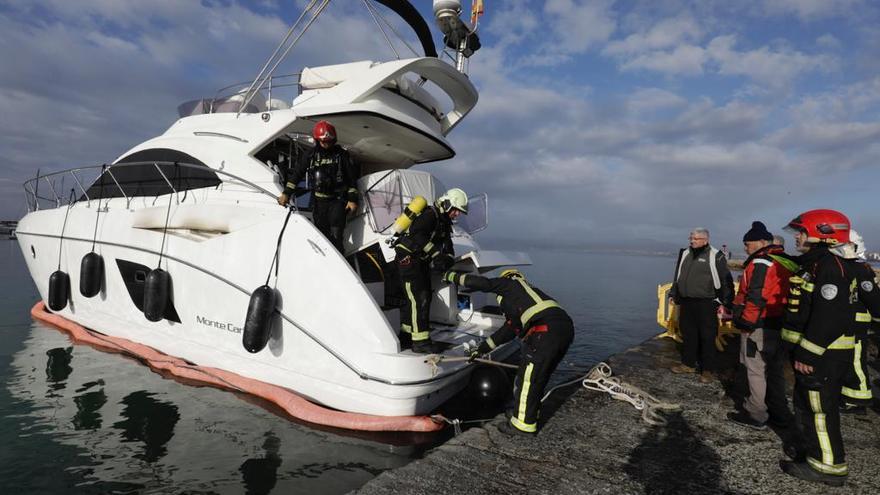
(33, 198)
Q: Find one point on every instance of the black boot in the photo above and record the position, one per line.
(803, 471)
(425, 347)
(405, 340)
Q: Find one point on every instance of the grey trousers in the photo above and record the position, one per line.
(762, 354)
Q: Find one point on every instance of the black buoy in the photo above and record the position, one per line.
(59, 290)
(157, 292)
(488, 384)
(91, 274)
(258, 322)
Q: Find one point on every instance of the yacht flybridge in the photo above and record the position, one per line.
(199, 203)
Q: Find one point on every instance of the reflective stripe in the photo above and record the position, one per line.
(491, 343)
(792, 310)
(794, 291)
(836, 469)
(524, 395)
(843, 342)
(821, 428)
(323, 195)
(417, 334)
(794, 302)
(401, 246)
(807, 286)
(762, 261)
(499, 298)
(863, 317)
(428, 247)
(809, 346)
(291, 185)
(406, 328)
(527, 427)
(462, 279)
(864, 391)
(540, 304)
(791, 336)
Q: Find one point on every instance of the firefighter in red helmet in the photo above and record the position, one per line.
(332, 179)
(818, 326)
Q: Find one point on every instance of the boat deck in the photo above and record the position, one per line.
(591, 443)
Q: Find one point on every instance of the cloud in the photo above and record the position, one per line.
(812, 10)
(773, 67)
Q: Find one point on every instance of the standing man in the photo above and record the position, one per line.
(758, 309)
(332, 180)
(425, 247)
(546, 330)
(818, 324)
(856, 390)
(702, 282)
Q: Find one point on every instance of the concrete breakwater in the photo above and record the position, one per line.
(591, 443)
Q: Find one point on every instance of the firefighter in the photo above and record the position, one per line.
(818, 325)
(856, 390)
(546, 331)
(425, 247)
(332, 180)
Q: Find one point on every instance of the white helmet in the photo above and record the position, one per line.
(454, 198)
(859, 243)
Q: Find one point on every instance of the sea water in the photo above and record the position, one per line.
(77, 420)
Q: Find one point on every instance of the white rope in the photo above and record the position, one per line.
(599, 378)
(434, 361)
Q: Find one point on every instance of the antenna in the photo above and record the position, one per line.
(457, 34)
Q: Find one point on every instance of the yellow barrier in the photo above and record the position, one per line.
(667, 317)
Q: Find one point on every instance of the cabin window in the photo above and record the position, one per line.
(144, 179)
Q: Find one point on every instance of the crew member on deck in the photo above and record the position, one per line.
(546, 330)
(425, 247)
(332, 180)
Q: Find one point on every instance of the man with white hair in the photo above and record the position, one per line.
(702, 282)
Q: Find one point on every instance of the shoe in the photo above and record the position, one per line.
(794, 451)
(405, 340)
(744, 419)
(681, 369)
(803, 471)
(425, 347)
(707, 377)
(853, 409)
(508, 429)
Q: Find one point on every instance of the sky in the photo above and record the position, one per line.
(599, 121)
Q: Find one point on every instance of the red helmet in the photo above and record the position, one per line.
(324, 132)
(827, 226)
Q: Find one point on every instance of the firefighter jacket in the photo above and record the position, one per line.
(525, 307)
(429, 238)
(702, 273)
(821, 305)
(868, 305)
(763, 289)
(332, 174)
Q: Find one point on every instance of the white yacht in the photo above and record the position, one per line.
(199, 202)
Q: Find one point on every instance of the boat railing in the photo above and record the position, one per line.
(236, 92)
(56, 197)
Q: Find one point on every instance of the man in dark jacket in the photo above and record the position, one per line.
(426, 246)
(818, 325)
(758, 309)
(332, 180)
(546, 330)
(702, 282)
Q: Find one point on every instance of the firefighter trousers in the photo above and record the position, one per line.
(415, 278)
(856, 387)
(542, 352)
(328, 216)
(817, 404)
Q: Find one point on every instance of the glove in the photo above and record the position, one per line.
(480, 351)
(442, 263)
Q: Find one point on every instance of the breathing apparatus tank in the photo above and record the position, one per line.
(412, 210)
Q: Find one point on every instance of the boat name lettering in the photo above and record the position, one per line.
(229, 326)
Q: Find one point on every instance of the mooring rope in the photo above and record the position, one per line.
(599, 379)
